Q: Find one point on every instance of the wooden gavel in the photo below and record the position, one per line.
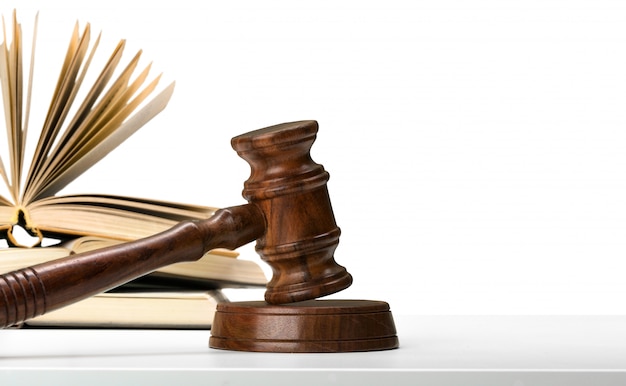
(288, 213)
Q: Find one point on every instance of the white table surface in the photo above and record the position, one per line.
(434, 350)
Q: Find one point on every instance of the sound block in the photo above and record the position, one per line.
(311, 326)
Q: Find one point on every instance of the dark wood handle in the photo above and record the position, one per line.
(35, 290)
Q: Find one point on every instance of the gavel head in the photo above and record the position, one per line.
(301, 232)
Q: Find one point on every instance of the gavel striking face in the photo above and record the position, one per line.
(288, 213)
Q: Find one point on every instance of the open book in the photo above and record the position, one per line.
(84, 122)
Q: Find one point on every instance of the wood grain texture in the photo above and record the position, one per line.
(308, 326)
(291, 190)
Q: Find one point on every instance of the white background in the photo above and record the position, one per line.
(477, 149)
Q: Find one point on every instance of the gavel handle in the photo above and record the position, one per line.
(35, 290)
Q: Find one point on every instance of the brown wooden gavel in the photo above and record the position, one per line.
(288, 213)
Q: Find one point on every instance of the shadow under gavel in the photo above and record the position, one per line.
(288, 213)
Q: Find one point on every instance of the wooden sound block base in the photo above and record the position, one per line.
(308, 326)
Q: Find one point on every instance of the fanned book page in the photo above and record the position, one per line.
(92, 110)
